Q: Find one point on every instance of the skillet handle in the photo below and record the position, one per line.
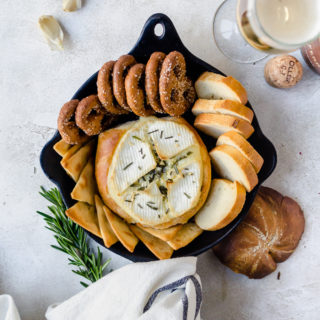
(169, 34)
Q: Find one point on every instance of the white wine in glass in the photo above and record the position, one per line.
(271, 26)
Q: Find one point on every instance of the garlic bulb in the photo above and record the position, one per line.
(52, 31)
(71, 5)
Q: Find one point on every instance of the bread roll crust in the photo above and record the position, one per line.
(268, 235)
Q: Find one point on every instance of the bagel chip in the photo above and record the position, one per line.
(108, 236)
(183, 237)
(61, 147)
(121, 230)
(158, 247)
(162, 234)
(73, 165)
(86, 187)
(85, 216)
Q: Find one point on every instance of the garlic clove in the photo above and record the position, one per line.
(51, 31)
(71, 5)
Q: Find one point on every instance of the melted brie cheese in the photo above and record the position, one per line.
(156, 172)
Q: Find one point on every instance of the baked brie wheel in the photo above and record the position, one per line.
(154, 171)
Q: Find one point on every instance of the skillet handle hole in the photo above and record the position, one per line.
(159, 30)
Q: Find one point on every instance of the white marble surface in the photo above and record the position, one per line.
(35, 82)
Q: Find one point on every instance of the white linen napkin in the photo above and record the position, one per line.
(8, 309)
(166, 289)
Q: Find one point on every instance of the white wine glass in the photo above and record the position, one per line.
(269, 26)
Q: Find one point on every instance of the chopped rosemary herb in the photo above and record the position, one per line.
(189, 153)
(143, 156)
(159, 216)
(163, 190)
(161, 134)
(170, 180)
(152, 207)
(167, 211)
(139, 168)
(176, 141)
(137, 138)
(140, 206)
(176, 169)
(153, 131)
(151, 202)
(187, 195)
(127, 200)
(141, 150)
(141, 188)
(170, 137)
(127, 166)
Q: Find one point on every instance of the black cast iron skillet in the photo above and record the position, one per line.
(145, 46)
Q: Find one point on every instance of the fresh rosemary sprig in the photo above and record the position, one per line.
(71, 239)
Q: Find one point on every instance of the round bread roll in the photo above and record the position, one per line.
(155, 172)
(268, 235)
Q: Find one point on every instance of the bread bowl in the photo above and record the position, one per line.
(155, 171)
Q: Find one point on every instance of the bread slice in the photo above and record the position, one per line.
(230, 164)
(234, 139)
(215, 86)
(225, 201)
(217, 124)
(229, 107)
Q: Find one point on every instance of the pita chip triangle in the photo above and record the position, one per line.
(85, 216)
(108, 236)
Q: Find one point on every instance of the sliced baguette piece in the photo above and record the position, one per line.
(230, 164)
(215, 86)
(234, 139)
(225, 201)
(217, 124)
(229, 107)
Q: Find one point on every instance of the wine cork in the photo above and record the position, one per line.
(283, 71)
(311, 54)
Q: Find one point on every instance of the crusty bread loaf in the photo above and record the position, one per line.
(217, 124)
(215, 86)
(269, 234)
(229, 107)
(234, 139)
(230, 164)
(224, 203)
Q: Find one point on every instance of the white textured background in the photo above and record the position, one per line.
(35, 82)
